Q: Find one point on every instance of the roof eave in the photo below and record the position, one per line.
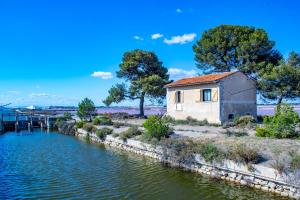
(190, 84)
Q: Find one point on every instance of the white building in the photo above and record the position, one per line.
(217, 98)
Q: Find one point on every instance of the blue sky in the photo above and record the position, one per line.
(49, 49)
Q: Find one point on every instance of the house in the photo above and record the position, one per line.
(218, 98)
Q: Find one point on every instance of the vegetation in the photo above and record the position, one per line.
(67, 116)
(130, 133)
(102, 120)
(146, 76)
(230, 133)
(282, 81)
(244, 154)
(245, 121)
(156, 127)
(115, 135)
(118, 124)
(226, 48)
(89, 128)
(282, 125)
(86, 109)
(188, 121)
(80, 124)
(211, 152)
(102, 133)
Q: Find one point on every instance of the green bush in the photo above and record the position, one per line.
(168, 119)
(89, 128)
(117, 124)
(282, 125)
(295, 161)
(130, 133)
(102, 133)
(80, 124)
(105, 121)
(115, 135)
(210, 152)
(244, 121)
(67, 116)
(230, 133)
(156, 127)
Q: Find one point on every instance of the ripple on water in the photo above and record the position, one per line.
(54, 166)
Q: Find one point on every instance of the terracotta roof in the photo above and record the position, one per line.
(199, 79)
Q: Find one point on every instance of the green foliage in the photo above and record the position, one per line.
(194, 122)
(229, 47)
(156, 127)
(245, 154)
(105, 121)
(245, 121)
(80, 124)
(59, 122)
(145, 76)
(282, 125)
(89, 128)
(282, 81)
(102, 133)
(115, 135)
(130, 133)
(86, 109)
(67, 116)
(168, 119)
(210, 152)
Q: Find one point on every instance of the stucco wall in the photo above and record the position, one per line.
(190, 106)
(238, 96)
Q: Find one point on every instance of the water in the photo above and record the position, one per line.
(55, 166)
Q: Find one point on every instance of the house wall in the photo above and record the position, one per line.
(238, 96)
(190, 106)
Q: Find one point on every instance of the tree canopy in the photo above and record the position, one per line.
(227, 47)
(145, 76)
(282, 81)
(86, 109)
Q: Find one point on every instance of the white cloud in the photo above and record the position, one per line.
(181, 39)
(34, 95)
(177, 73)
(156, 36)
(13, 92)
(136, 37)
(102, 75)
(178, 10)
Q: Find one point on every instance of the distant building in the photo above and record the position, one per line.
(217, 98)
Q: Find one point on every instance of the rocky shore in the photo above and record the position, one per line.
(259, 177)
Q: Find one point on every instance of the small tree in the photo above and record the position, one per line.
(145, 76)
(282, 81)
(86, 109)
(227, 47)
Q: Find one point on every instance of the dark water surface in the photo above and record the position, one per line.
(54, 166)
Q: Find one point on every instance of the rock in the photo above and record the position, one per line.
(271, 185)
(243, 182)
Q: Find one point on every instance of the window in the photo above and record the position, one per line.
(206, 95)
(178, 97)
(231, 116)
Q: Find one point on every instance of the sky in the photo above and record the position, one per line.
(56, 52)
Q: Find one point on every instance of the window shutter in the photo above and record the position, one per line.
(214, 92)
(174, 96)
(182, 96)
(198, 95)
(201, 95)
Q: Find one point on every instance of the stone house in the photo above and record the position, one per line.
(218, 98)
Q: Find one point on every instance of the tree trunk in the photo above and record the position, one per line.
(279, 102)
(142, 99)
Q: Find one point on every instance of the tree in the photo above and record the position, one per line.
(145, 76)
(227, 47)
(282, 81)
(86, 109)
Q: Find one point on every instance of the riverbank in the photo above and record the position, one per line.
(259, 177)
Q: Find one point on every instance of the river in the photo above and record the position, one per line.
(54, 166)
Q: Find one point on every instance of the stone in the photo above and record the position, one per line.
(271, 185)
(243, 182)
(265, 188)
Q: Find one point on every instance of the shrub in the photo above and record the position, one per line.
(156, 127)
(102, 133)
(80, 124)
(295, 161)
(262, 132)
(130, 133)
(230, 133)
(243, 153)
(168, 119)
(282, 125)
(244, 121)
(115, 135)
(210, 152)
(105, 121)
(117, 124)
(89, 128)
(260, 118)
(67, 116)
(59, 122)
